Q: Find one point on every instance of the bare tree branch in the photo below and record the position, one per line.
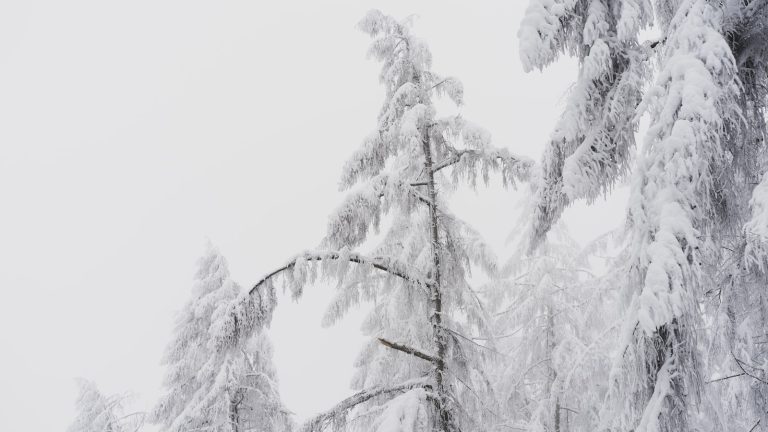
(724, 378)
(757, 423)
(741, 365)
(408, 350)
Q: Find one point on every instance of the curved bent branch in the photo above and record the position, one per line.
(321, 421)
(390, 266)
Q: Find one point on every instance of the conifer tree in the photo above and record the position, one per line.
(672, 208)
(553, 324)
(211, 386)
(736, 375)
(688, 241)
(419, 370)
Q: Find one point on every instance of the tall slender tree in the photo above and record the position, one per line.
(411, 153)
(418, 370)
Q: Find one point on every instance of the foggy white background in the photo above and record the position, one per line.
(131, 131)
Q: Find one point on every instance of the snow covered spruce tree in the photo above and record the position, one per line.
(737, 376)
(681, 209)
(590, 148)
(212, 385)
(97, 412)
(690, 198)
(417, 373)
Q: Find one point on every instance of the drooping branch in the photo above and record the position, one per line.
(458, 154)
(321, 421)
(390, 266)
(407, 350)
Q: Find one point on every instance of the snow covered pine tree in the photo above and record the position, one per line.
(97, 412)
(421, 331)
(737, 376)
(418, 371)
(209, 385)
(690, 193)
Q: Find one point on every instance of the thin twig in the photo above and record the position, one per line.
(724, 378)
(740, 363)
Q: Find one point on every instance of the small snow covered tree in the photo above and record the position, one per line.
(97, 412)
(211, 385)
(590, 148)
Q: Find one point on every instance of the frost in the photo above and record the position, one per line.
(405, 413)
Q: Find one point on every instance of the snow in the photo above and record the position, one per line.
(404, 413)
(539, 32)
(655, 407)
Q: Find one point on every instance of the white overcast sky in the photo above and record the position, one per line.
(131, 131)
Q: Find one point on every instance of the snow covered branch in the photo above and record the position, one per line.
(501, 155)
(322, 421)
(388, 265)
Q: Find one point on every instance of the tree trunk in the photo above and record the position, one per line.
(234, 410)
(435, 294)
(551, 373)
